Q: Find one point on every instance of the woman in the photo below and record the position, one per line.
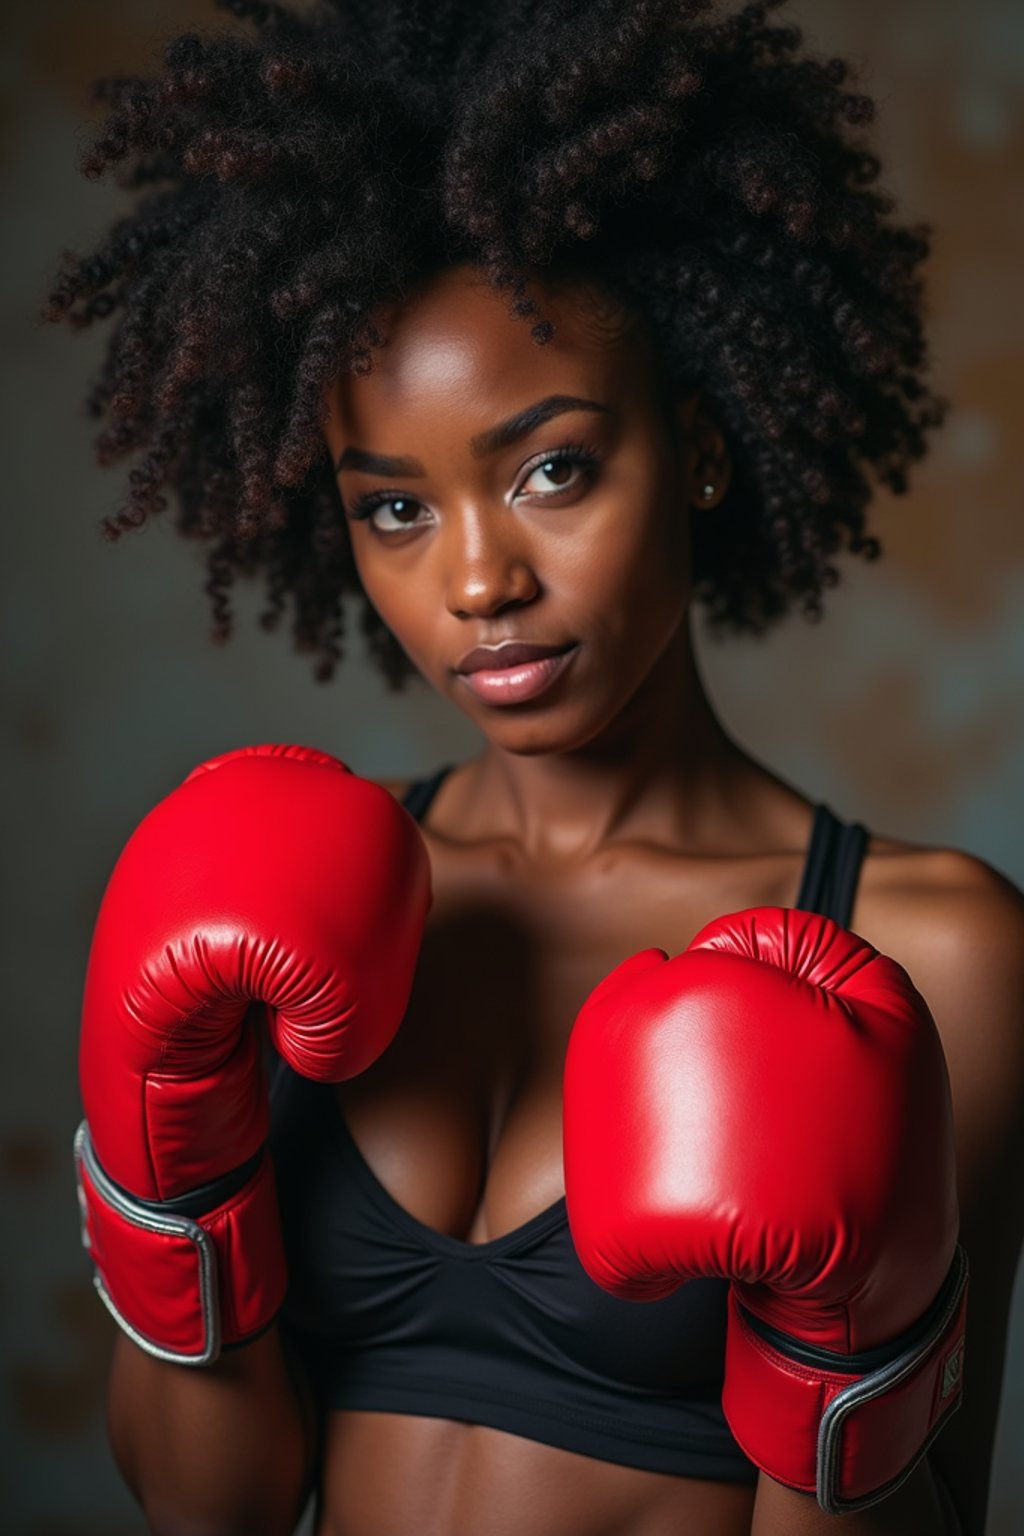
(316, 351)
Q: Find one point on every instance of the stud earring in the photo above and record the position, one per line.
(708, 492)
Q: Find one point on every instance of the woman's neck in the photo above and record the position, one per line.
(666, 773)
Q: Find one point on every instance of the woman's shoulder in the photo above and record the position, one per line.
(956, 924)
(941, 904)
(951, 918)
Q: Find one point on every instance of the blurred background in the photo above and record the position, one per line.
(904, 709)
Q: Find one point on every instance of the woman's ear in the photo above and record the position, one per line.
(705, 458)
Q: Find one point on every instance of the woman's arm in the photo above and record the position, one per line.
(919, 1506)
(223, 1450)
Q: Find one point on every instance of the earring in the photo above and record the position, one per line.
(708, 492)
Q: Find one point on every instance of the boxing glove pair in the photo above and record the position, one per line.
(771, 1106)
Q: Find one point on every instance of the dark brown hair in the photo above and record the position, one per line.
(290, 177)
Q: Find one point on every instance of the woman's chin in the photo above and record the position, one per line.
(577, 724)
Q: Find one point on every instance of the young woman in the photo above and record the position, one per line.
(321, 350)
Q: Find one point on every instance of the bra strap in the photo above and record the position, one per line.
(418, 796)
(832, 868)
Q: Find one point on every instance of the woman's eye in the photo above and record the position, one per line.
(563, 469)
(403, 516)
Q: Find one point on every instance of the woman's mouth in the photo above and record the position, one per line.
(520, 681)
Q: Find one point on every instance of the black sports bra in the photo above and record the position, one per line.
(389, 1314)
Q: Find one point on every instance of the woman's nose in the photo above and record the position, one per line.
(488, 568)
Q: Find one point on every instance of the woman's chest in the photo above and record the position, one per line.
(461, 1118)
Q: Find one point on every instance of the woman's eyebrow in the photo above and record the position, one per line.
(490, 441)
(526, 420)
(378, 464)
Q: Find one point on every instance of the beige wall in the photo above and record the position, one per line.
(904, 709)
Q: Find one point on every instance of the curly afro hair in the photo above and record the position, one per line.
(290, 177)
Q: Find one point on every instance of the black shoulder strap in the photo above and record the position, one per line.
(832, 868)
(419, 795)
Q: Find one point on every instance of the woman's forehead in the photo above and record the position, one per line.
(452, 342)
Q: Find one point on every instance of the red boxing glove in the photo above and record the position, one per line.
(772, 1106)
(271, 875)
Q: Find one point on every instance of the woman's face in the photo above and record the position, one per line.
(565, 528)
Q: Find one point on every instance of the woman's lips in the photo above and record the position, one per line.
(522, 680)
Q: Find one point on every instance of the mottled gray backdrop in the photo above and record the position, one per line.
(903, 709)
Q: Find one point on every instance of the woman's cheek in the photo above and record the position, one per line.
(383, 586)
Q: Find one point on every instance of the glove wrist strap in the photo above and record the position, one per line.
(183, 1288)
(848, 1428)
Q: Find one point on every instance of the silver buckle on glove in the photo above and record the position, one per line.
(165, 1224)
(876, 1384)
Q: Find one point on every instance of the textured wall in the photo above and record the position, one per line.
(904, 709)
